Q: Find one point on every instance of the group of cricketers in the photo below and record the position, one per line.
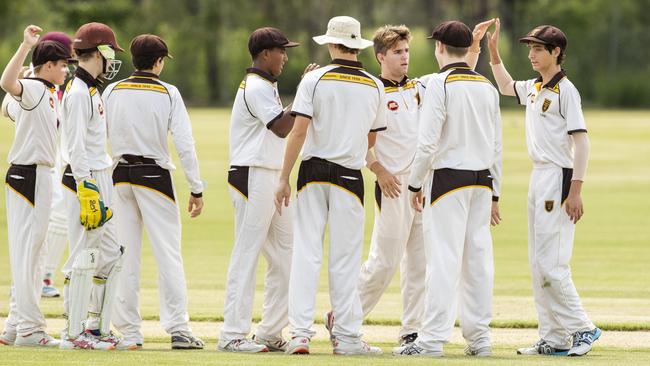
(108, 200)
(434, 144)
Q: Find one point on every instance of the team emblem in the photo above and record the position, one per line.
(546, 104)
(100, 108)
(52, 102)
(548, 205)
(392, 105)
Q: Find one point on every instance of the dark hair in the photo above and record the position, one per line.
(456, 51)
(145, 62)
(344, 49)
(560, 57)
(84, 54)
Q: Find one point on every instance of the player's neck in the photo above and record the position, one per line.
(262, 66)
(338, 55)
(44, 76)
(447, 60)
(396, 77)
(91, 68)
(548, 73)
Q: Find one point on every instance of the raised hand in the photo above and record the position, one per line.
(31, 36)
(309, 68)
(481, 28)
(493, 39)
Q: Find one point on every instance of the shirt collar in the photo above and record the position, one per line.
(347, 63)
(86, 77)
(455, 65)
(261, 73)
(144, 74)
(391, 83)
(554, 80)
(47, 83)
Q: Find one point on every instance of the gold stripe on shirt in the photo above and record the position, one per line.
(349, 78)
(141, 86)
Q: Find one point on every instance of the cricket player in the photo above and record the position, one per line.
(258, 127)
(142, 111)
(336, 107)
(94, 262)
(558, 145)
(397, 231)
(28, 181)
(459, 146)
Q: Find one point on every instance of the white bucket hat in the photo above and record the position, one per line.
(346, 31)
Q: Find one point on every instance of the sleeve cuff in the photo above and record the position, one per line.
(413, 189)
(271, 122)
(379, 129)
(495, 198)
(571, 132)
(294, 113)
(197, 195)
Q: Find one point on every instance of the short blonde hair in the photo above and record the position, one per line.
(386, 37)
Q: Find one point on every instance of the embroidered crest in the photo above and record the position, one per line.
(392, 105)
(548, 205)
(546, 104)
(100, 108)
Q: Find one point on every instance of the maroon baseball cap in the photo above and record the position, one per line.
(91, 35)
(50, 51)
(546, 34)
(453, 33)
(149, 45)
(265, 38)
(57, 37)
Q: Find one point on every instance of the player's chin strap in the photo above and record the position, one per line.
(80, 286)
(103, 295)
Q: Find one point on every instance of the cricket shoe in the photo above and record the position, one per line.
(583, 341)
(485, 351)
(274, 345)
(328, 321)
(542, 348)
(414, 350)
(85, 341)
(8, 336)
(103, 341)
(36, 339)
(407, 339)
(358, 348)
(186, 340)
(48, 289)
(241, 346)
(298, 346)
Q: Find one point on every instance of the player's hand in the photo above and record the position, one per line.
(573, 207)
(31, 36)
(493, 38)
(310, 67)
(195, 206)
(282, 195)
(92, 212)
(480, 29)
(417, 201)
(389, 184)
(495, 216)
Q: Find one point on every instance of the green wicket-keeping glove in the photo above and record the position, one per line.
(92, 212)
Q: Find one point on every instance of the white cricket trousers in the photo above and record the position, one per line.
(104, 237)
(550, 245)
(57, 235)
(460, 268)
(397, 240)
(28, 190)
(258, 229)
(144, 198)
(327, 194)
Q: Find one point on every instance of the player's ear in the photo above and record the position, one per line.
(380, 57)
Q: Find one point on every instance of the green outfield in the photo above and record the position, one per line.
(610, 261)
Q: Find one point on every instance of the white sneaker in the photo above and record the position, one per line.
(8, 336)
(356, 348)
(186, 340)
(108, 342)
(277, 345)
(583, 341)
(478, 352)
(298, 346)
(542, 348)
(241, 345)
(85, 341)
(412, 349)
(36, 339)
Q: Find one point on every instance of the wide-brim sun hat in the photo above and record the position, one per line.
(344, 30)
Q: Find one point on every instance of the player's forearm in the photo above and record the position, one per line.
(9, 81)
(190, 164)
(294, 144)
(581, 156)
(421, 166)
(283, 125)
(503, 78)
(473, 54)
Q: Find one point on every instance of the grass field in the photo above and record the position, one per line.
(609, 266)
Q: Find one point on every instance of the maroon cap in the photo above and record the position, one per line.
(149, 45)
(50, 51)
(453, 33)
(265, 38)
(546, 34)
(91, 35)
(57, 37)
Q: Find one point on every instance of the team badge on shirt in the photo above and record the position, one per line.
(52, 102)
(392, 105)
(548, 205)
(546, 104)
(100, 108)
